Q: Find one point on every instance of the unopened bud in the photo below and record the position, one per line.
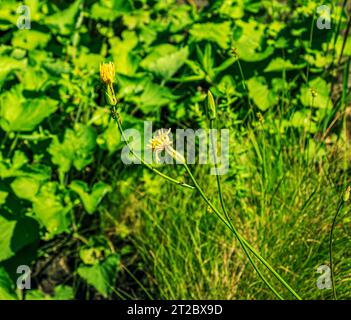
(211, 106)
(347, 194)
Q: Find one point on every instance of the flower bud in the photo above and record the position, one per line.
(347, 194)
(211, 106)
(107, 76)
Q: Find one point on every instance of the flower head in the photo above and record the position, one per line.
(234, 52)
(107, 76)
(162, 142)
(107, 73)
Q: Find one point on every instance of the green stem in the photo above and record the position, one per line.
(331, 248)
(231, 224)
(238, 235)
(242, 75)
(115, 116)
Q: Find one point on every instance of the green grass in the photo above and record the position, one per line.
(280, 200)
(95, 228)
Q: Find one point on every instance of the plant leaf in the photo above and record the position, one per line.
(90, 200)
(102, 275)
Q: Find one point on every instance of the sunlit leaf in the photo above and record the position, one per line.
(90, 199)
(101, 276)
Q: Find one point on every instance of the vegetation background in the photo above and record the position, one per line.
(91, 227)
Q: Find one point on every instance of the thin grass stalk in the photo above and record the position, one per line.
(231, 224)
(239, 236)
(331, 249)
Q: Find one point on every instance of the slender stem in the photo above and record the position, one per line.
(310, 44)
(242, 76)
(115, 116)
(331, 248)
(231, 224)
(239, 236)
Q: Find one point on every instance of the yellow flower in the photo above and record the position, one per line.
(107, 76)
(107, 73)
(162, 142)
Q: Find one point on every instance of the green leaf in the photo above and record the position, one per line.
(302, 119)
(110, 139)
(110, 10)
(16, 234)
(63, 21)
(18, 113)
(232, 8)
(50, 211)
(13, 168)
(214, 32)
(322, 100)
(88, 61)
(279, 64)
(165, 60)
(125, 60)
(3, 196)
(25, 187)
(32, 79)
(92, 255)
(76, 149)
(153, 97)
(90, 200)
(260, 93)
(248, 40)
(6, 231)
(30, 39)
(8, 15)
(7, 291)
(102, 275)
(61, 292)
(9, 64)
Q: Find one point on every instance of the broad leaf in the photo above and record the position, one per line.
(76, 148)
(25, 187)
(260, 93)
(7, 291)
(101, 275)
(322, 89)
(50, 210)
(16, 234)
(248, 41)
(89, 199)
(214, 32)
(165, 60)
(18, 113)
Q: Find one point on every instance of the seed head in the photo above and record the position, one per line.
(162, 142)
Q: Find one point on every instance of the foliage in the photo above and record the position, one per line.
(65, 194)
